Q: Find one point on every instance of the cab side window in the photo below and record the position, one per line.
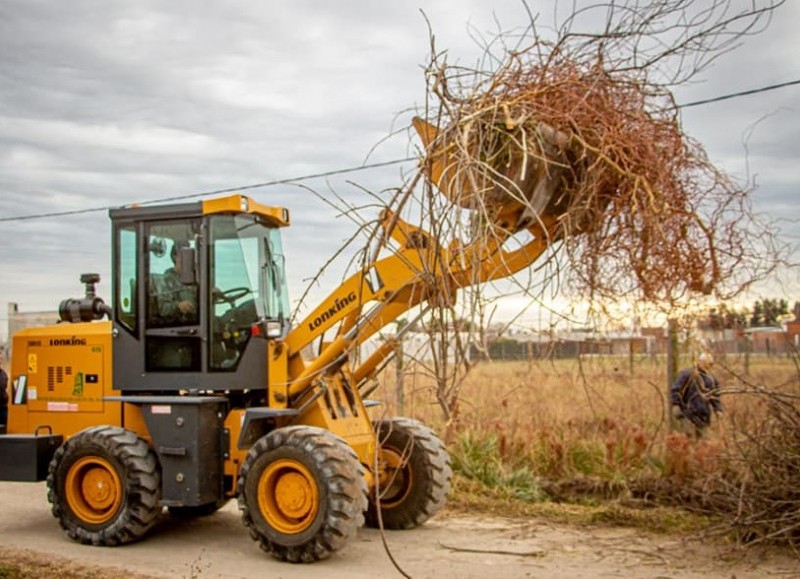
(125, 301)
(172, 301)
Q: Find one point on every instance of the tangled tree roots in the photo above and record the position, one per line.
(578, 129)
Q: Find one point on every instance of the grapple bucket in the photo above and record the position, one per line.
(516, 184)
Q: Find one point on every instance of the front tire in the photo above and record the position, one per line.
(302, 493)
(104, 486)
(416, 479)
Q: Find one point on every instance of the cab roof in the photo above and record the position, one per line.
(230, 204)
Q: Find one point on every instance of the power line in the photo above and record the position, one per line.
(739, 94)
(214, 192)
(343, 171)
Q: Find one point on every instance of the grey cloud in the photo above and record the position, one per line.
(107, 103)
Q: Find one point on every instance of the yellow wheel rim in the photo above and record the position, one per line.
(288, 496)
(395, 479)
(93, 490)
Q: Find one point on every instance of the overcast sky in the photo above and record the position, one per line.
(110, 103)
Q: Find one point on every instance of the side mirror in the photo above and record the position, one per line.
(158, 247)
(188, 271)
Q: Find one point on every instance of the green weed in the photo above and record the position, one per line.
(478, 458)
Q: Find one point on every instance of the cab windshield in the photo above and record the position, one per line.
(248, 283)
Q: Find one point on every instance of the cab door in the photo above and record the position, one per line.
(172, 324)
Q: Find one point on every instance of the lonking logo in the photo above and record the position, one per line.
(73, 341)
(337, 306)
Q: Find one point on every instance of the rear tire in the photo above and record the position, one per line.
(416, 481)
(302, 493)
(104, 485)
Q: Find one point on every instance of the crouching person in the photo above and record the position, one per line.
(694, 396)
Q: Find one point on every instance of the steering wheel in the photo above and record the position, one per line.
(229, 295)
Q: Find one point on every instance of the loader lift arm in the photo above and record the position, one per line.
(419, 271)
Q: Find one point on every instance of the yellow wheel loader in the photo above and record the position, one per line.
(192, 389)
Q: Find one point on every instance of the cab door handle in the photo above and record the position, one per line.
(187, 332)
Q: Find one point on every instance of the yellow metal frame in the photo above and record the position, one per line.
(408, 277)
(57, 400)
(278, 216)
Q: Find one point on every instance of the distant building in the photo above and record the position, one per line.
(658, 338)
(768, 340)
(568, 344)
(20, 320)
(793, 334)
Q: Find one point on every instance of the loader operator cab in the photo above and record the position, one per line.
(197, 292)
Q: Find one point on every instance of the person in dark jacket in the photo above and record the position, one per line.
(694, 396)
(177, 302)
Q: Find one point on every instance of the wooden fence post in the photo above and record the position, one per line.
(673, 359)
(748, 347)
(630, 357)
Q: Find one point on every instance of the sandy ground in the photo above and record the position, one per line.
(448, 546)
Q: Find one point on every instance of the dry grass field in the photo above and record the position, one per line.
(590, 416)
(597, 428)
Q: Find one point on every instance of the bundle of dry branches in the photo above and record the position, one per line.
(578, 129)
(763, 505)
(753, 491)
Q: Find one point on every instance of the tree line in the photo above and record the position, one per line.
(764, 312)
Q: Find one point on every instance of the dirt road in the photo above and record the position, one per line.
(448, 546)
